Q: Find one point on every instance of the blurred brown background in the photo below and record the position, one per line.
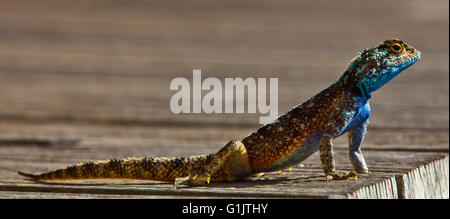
(89, 79)
(114, 60)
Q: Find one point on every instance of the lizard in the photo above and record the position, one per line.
(311, 126)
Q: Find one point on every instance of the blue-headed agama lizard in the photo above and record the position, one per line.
(341, 108)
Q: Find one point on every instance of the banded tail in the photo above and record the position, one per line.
(161, 169)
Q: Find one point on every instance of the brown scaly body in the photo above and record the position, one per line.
(341, 108)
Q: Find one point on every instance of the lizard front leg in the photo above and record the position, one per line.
(355, 138)
(328, 163)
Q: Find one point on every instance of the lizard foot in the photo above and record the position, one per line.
(193, 180)
(364, 172)
(258, 174)
(342, 176)
(281, 171)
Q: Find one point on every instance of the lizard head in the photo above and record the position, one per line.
(376, 66)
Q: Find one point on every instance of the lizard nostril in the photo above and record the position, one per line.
(411, 50)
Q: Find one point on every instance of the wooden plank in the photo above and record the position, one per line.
(51, 195)
(58, 145)
(308, 184)
(429, 181)
(203, 139)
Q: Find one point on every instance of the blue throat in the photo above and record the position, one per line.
(364, 91)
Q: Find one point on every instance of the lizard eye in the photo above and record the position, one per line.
(396, 47)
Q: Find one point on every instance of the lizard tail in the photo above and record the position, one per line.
(161, 169)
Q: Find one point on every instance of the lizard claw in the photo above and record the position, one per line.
(365, 172)
(258, 174)
(343, 176)
(199, 180)
(193, 180)
(280, 171)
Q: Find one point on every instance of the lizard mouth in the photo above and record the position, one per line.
(415, 57)
(407, 60)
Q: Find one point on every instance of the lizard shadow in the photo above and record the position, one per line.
(267, 179)
(252, 182)
(244, 183)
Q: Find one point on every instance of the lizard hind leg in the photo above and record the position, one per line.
(229, 164)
